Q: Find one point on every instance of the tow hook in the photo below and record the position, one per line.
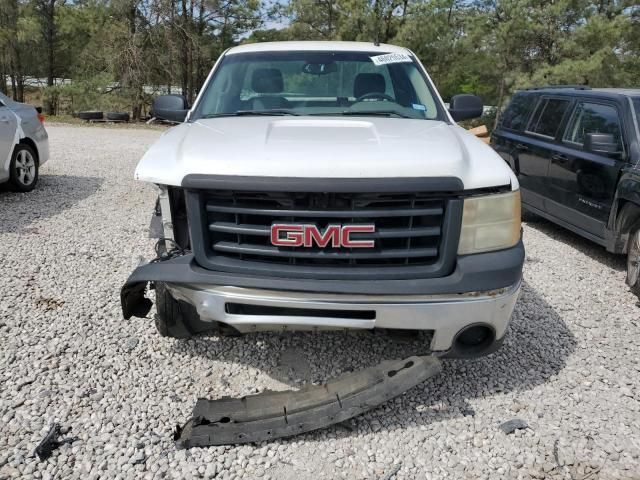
(270, 415)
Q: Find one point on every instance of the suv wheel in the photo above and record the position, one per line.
(24, 169)
(633, 262)
(175, 318)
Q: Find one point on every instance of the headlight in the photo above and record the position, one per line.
(490, 222)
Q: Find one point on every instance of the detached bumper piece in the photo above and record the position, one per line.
(271, 415)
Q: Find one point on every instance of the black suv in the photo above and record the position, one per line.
(576, 152)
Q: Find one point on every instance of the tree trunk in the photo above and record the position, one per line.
(14, 93)
(46, 9)
(200, 71)
(170, 45)
(184, 50)
(51, 45)
(20, 88)
(376, 9)
(15, 59)
(190, 44)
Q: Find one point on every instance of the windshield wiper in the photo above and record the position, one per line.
(240, 113)
(379, 113)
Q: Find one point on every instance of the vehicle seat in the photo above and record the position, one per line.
(268, 83)
(368, 83)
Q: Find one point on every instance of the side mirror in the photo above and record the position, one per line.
(465, 106)
(173, 108)
(603, 143)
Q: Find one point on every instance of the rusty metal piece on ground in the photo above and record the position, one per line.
(271, 415)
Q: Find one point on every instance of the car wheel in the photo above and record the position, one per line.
(633, 262)
(175, 318)
(24, 169)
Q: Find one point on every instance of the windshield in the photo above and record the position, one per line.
(318, 83)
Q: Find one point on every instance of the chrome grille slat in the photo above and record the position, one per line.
(245, 229)
(319, 254)
(370, 213)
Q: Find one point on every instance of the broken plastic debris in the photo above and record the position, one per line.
(511, 426)
(272, 415)
(50, 442)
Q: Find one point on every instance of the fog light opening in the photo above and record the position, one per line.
(474, 339)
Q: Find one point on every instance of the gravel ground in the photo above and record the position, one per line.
(569, 367)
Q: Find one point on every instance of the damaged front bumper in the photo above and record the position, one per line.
(271, 415)
(482, 290)
(251, 310)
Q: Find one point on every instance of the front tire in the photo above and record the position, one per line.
(23, 175)
(177, 319)
(633, 262)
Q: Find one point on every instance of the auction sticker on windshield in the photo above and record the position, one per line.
(391, 58)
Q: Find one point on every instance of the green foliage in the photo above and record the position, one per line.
(492, 47)
(118, 53)
(94, 93)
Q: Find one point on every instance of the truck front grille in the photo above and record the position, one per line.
(411, 232)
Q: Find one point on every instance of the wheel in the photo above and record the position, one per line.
(90, 115)
(175, 318)
(633, 262)
(24, 169)
(118, 116)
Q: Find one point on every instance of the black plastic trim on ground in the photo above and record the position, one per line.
(271, 415)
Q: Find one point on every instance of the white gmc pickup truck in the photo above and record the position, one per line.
(324, 185)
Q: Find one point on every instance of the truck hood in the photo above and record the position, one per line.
(323, 147)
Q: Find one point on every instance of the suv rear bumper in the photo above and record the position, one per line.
(482, 289)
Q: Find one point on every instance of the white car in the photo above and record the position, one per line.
(24, 144)
(324, 185)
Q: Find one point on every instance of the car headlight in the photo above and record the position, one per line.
(490, 222)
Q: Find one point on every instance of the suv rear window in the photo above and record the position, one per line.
(548, 116)
(516, 116)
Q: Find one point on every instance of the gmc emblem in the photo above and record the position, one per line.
(288, 235)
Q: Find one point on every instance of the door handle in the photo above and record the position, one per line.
(522, 147)
(560, 158)
(4, 119)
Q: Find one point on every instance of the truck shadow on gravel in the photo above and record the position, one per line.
(537, 347)
(589, 248)
(52, 195)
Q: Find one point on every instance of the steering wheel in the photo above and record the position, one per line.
(380, 95)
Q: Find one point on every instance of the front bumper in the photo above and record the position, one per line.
(445, 315)
(482, 289)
